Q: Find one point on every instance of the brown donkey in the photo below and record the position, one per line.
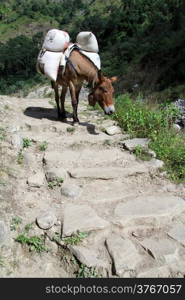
(79, 69)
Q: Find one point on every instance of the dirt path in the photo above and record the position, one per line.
(130, 218)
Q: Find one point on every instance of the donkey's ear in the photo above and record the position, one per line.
(100, 76)
(113, 79)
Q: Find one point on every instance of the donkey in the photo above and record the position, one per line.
(79, 69)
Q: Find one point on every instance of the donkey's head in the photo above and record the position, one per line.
(103, 94)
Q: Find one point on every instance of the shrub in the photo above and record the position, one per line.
(142, 120)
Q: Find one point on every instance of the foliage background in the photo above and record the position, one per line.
(141, 41)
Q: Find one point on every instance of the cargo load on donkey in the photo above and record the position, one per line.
(57, 47)
(52, 53)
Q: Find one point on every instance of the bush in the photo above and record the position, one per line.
(141, 120)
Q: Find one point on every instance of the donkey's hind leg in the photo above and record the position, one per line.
(62, 101)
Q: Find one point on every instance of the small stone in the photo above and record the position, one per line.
(176, 127)
(71, 190)
(36, 180)
(81, 218)
(3, 232)
(56, 173)
(131, 144)
(178, 233)
(155, 164)
(46, 220)
(112, 130)
(17, 141)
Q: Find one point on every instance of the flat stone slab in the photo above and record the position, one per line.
(155, 210)
(159, 272)
(108, 173)
(131, 144)
(178, 233)
(81, 218)
(164, 250)
(87, 257)
(125, 255)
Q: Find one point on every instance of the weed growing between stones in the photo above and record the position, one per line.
(75, 239)
(86, 272)
(43, 146)
(34, 243)
(27, 142)
(16, 221)
(57, 182)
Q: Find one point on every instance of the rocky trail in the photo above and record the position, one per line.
(93, 208)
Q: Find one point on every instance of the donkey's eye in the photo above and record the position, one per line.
(103, 89)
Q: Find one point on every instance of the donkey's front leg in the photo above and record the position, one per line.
(62, 101)
(55, 87)
(74, 101)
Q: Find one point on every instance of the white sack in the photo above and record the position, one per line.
(56, 40)
(50, 62)
(87, 41)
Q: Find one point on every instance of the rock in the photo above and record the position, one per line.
(124, 254)
(46, 220)
(178, 233)
(151, 153)
(36, 180)
(180, 104)
(155, 164)
(158, 272)
(152, 210)
(131, 144)
(107, 173)
(3, 232)
(176, 127)
(53, 174)
(81, 218)
(162, 249)
(71, 190)
(41, 92)
(86, 256)
(17, 141)
(112, 130)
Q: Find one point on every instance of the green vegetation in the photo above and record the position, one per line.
(2, 134)
(75, 239)
(86, 272)
(70, 129)
(27, 142)
(16, 221)
(144, 57)
(140, 119)
(57, 182)
(34, 243)
(20, 158)
(43, 146)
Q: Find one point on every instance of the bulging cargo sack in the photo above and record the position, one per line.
(56, 40)
(87, 41)
(48, 63)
